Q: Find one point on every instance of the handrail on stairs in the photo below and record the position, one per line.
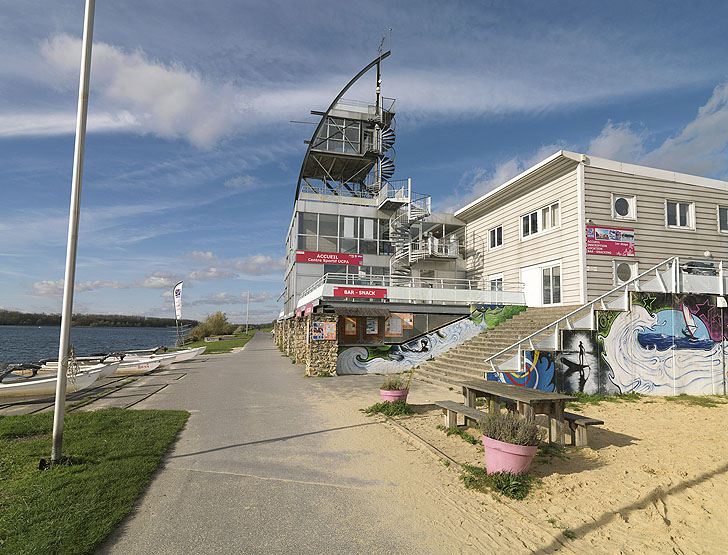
(624, 288)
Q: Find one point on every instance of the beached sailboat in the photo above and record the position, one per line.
(16, 385)
(187, 354)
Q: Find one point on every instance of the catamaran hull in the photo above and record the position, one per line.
(40, 386)
(187, 354)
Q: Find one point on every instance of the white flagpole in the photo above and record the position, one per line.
(247, 311)
(75, 212)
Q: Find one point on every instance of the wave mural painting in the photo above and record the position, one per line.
(666, 345)
(664, 351)
(390, 359)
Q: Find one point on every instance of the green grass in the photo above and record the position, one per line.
(597, 399)
(699, 400)
(395, 408)
(515, 486)
(224, 345)
(70, 508)
(461, 432)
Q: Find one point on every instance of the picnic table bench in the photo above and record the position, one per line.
(578, 427)
(452, 409)
(528, 402)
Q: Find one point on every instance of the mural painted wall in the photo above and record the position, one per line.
(390, 359)
(666, 345)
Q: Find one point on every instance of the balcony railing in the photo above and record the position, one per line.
(417, 290)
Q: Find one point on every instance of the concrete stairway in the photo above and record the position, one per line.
(466, 360)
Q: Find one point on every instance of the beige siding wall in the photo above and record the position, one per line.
(654, 242)
(516, 253)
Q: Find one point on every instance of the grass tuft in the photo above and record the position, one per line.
(461, 432)
(515, 486)
(71, 507)
(597, 399)
(395, 408)
(708, 401)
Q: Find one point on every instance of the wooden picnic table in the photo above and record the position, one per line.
(528, 401)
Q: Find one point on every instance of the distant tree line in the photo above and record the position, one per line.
(12, 318)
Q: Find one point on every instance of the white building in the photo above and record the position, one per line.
(574, 226)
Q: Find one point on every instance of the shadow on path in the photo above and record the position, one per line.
(271, 440)
(652, 498)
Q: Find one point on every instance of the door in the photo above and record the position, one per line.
(531, 279)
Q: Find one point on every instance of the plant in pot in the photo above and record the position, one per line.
(396, 387)
(510, 442)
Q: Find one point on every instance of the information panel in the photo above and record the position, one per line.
(611, 241)
(329, 258)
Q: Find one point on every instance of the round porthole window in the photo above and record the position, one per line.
(621, 206)
(624, 272)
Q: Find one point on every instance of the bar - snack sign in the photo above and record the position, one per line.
(612, 241)
(361, 292)
(329, 258)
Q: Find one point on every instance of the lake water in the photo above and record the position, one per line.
(32, 343)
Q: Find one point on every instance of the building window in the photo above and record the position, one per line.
(723, 218)
(623, 207)
(496, 237)
(541, 220)
(551, 284)
(679, 214)
(496, 282)
(624, 271)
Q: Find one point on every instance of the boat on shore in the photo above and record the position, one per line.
(17, 385)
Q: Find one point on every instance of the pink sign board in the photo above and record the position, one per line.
(361, 292)
(309, 309)
(329, 258)
(299, 313)
(612, 241)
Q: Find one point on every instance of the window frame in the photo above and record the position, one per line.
(539, 220)
(493, 279)
(718, 209)
(632, 214)
(490, 243)
(691, 215)
(631, 263)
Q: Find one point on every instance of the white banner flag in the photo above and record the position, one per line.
(178, 300)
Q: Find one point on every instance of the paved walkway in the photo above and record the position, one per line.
(272, 462)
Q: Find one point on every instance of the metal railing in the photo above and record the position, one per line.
(669, 276)
(387, 104)
(372, 280)
(420, 250)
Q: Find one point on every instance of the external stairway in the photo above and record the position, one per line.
(466, 361)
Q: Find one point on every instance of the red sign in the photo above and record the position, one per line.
(299, 313)
(329, 258)
(361, 292)
(612, 241)
(309, 309)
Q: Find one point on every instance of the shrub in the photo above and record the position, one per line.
(214, 324)
(394, 383)
(395, 408)
(510, 428)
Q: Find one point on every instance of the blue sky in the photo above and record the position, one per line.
(191, 162)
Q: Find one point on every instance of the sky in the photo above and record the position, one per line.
(191, 159)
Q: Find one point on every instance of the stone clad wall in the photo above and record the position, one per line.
(321, 355)
(298, 351)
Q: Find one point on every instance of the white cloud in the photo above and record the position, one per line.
(158, 280)
(209, 274)
(243, 183)
(50, 288)
(701, 147)
(260, 265)
(145, 95)
(618, 142)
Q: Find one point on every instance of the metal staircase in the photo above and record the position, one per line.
(417, 207)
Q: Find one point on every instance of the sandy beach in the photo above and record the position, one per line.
(652, 481)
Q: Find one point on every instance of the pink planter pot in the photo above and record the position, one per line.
(506, 457)
(394, 394)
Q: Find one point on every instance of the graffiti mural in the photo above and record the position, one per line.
(537, 375)
(665, 345)
(389, 359)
